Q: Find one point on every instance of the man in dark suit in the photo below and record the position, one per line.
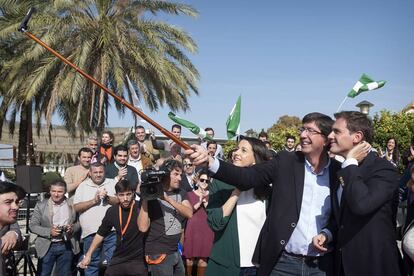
(365, 202)
(300, 206)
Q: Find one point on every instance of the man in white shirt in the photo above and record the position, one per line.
(92, 199)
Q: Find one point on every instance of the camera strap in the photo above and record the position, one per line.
(123, 230)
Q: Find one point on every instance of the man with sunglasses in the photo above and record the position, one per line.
(187, 178)
(300, 206)
(128, 257)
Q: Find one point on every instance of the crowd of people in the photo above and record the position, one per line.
(325, 205)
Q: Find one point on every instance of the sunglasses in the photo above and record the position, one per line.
(204, 180)
(188, 164)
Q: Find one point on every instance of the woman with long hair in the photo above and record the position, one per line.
(392, 153)
(237, 217)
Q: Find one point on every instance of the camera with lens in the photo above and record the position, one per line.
(151, 183)
(63, 233)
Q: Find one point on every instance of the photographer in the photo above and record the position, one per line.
(54, 221)
(164, 219)
(128, 258)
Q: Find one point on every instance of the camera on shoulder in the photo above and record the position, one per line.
(151, 183)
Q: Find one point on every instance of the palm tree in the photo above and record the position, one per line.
(108, 39)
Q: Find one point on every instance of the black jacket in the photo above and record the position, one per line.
(286, 172)
(366, 218)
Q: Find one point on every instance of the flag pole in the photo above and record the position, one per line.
(23, 29)
(339, 107)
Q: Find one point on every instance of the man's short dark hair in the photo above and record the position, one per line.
(290, 137)
(58, 182)
(211, 142)
(322, 121)
(171, 164)
(358, 121)
(85, 149)
(175, 126)
(139, 126)
(122, 186)
(209, 129)
(8, 187)
(120, 148)
(263, 134)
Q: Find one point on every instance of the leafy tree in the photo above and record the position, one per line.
(228, 146)
(251, 133)
(108, 39)
(286, 125)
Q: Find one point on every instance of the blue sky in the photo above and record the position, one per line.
(293, 57)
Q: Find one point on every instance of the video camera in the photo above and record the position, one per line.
(151, 183)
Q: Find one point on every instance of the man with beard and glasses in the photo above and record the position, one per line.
(128, 257)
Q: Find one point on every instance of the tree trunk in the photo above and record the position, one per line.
(25, 148)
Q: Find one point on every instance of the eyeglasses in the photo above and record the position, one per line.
(202, 180)
(310, 131)
(188, 164)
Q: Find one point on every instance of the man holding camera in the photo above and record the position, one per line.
(163, 219)
(54, 222)
(128, 258)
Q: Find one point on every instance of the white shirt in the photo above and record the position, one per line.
(137, 164)
(91, 219)
(251, 215)
(314, 212)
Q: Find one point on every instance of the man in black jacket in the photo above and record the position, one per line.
(365, 202)
(300, 206)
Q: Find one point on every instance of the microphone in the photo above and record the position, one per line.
(23, 26)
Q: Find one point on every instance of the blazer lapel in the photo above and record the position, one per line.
(334, 186)
(299, 176)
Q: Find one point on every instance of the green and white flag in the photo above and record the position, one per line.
(365, 83)
(190, 126)
(233, 122)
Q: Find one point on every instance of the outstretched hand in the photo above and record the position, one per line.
(199, 155)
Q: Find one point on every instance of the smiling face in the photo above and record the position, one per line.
(188, 166)
(244, 155)
(121, 157)
(134, 151)
(140, 134)
(311, 139)
(341, 139)
(203, 181)
(106, 139)
(9, 207)
(391, 145)
(85, 158)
